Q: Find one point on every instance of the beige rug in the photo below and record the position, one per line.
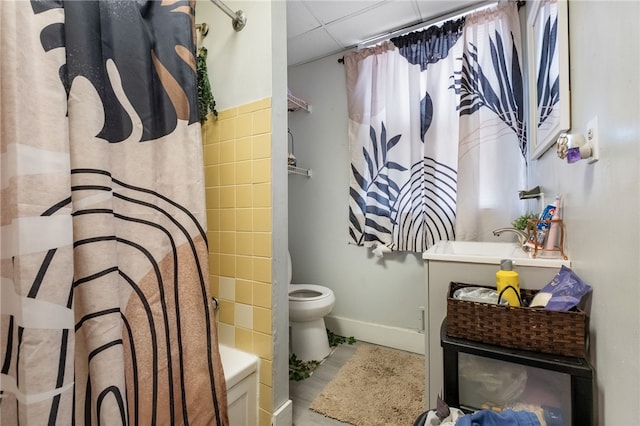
(377, 386)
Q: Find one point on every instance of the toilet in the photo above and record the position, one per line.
(308, 305)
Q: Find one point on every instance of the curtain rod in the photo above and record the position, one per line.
(438, 19)
(203, 28)
(444, 17)
(239, 18)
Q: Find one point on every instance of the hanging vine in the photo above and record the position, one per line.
(206, 101)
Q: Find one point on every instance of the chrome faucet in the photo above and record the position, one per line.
(522, 236)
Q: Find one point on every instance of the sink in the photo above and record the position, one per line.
(489, 252)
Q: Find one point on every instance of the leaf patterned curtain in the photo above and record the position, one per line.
(436, 133)
(106, 316)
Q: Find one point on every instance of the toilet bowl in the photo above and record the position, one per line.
(308, 305)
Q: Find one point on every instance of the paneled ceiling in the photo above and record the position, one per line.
(318, 28)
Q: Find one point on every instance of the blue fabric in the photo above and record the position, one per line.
(505, 418)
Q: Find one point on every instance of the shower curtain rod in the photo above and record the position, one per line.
(238, 18)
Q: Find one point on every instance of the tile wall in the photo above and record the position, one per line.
(237, 168)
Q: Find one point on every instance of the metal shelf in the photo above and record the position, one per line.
(293, 170)
(295, 104)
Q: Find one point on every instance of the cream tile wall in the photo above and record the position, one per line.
(237, 164)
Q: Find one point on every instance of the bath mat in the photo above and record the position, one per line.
(377, 386)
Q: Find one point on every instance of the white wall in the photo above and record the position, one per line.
(602, 202)
(280, 286)
(239, 64)
(385, 291)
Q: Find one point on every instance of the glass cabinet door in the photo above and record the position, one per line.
(486, 383)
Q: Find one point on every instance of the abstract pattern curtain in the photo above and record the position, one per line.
(548, 73)
(105, 314)
(436, 132)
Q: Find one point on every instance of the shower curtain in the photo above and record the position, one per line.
(105, 306)
(436, 133)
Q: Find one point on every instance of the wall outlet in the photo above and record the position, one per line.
(592, 138)
(421, 319)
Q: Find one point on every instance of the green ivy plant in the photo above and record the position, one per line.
(335, 340)
(206, 101)
(300, 370)
(521, 222)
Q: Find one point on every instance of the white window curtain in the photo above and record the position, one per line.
(436, 131)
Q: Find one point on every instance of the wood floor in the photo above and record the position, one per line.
(303, 392)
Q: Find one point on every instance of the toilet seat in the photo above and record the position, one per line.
(308, 302)
(308, 292)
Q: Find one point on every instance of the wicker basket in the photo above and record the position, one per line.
(532, 329)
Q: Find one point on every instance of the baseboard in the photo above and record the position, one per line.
(393, 337)
(283, 416)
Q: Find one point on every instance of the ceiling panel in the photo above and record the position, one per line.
(318, 28)
(312, 45)
(328, 11)
(386, 18)
(431, 8)
(299, 19)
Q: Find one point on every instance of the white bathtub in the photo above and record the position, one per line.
(241, 375)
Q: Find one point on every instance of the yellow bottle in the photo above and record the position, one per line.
(508, 283)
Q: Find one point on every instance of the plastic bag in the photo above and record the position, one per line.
(564, 291)
(478, 294)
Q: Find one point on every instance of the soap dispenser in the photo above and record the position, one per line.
(508, 283)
